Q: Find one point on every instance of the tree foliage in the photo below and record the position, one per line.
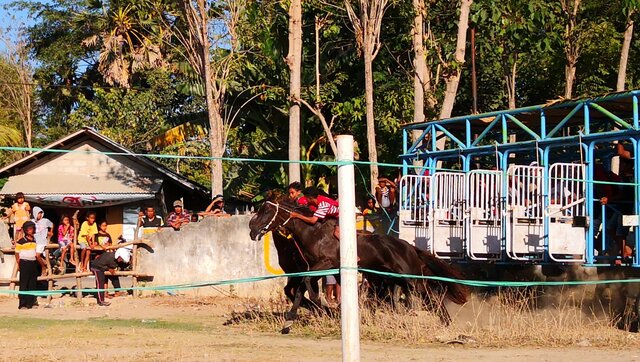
(116, 66)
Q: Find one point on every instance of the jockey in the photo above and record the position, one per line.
(325, 207)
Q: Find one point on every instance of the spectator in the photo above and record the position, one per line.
(150, 222)
(179, 216)
(28, 260)
(88, 230)
(386, 192)
(108, 262)
(21, 212)
(103, 238)
(215, 208)
(44, 232)
(66, 233)
(371, 207)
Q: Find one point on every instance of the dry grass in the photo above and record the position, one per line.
(509, 317)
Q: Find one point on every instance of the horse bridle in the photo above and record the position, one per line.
(267, 227)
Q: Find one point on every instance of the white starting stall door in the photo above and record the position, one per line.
(484, 226)
(566, 212)
(524, 219)
(448, 195)
(415, 211)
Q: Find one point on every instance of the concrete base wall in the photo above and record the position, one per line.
(211, 250)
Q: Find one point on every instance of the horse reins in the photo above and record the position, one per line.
(273, 219)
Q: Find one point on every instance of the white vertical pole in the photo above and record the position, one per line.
(349, 310)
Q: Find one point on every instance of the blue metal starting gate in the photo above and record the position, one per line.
(554, 183)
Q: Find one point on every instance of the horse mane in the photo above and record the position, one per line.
(278, 197)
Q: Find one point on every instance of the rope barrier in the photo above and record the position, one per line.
(260, 160)
(320, 273)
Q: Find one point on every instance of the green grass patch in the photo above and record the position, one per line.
(41, 324)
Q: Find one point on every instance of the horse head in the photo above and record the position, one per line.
(270, 216)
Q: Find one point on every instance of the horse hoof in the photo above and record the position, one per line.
(287, 327)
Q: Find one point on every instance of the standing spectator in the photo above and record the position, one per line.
(386, 192)
(44, 232)
(65, 241)
(27, 260)
(107, 262)
(88, 230)
(178, 217)
(150, 222)
(21, 211)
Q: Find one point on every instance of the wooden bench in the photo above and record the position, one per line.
(134, 273)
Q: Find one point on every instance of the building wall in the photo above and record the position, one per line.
(90, 163)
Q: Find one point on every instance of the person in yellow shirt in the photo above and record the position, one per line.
(21, 211)
(86, 239)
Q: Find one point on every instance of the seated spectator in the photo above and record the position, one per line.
(178, 217)
(88, 230)
(215, 208)
(44, 232)
(371, 207)
(21, 211)
(103, 238)
(150, 222)
(66, 234)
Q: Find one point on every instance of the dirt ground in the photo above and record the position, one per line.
(187, 329)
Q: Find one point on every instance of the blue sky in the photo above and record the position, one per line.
(13, 18)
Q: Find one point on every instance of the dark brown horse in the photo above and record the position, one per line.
(376, 252)
(291, 260)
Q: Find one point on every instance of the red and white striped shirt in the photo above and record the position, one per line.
(327, 207)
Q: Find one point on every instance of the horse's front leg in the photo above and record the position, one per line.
(293, 312)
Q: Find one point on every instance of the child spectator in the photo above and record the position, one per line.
(44, 232)
(386, 192)
(27, 260)
(150, 222)
(371, 207)
(21, 211)
(102, 238)
(178, 217)
(65, 241)
(88, 230)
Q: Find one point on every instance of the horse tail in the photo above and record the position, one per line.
(456, 292)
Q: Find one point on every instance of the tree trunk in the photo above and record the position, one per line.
(419, 61)
(294, 61)
(453, 80)
(624, 54)
(570, 76)
(511, 84)
(216, 125)
(371, 130)
(572, 45)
